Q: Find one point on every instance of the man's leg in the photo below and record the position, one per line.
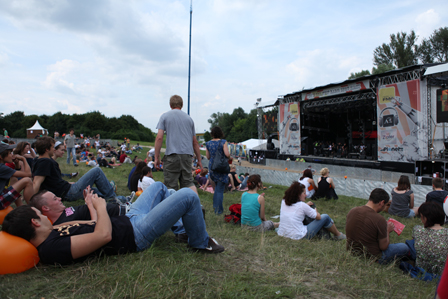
(96, 177)
(74, 156)
(186, 179)
(171, 171)
(151, 197)
(394, 251)
(69, 151)
(184, 203)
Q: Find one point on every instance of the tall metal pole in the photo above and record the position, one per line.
(189, 57)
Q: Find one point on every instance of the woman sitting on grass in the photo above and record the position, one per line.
(308, 182)
(146, 179)
(326, 185)
(431, 239)
(252, 207)
(403, 199)
(293, 211)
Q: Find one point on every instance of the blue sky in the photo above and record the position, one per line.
(129, 57)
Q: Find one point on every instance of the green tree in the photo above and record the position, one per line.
(435, 48)
(359, 74)
(207, 136)
(382, 68)
(400, 52)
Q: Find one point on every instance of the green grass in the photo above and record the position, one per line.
(254, 265)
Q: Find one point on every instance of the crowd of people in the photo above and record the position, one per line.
(114, 224)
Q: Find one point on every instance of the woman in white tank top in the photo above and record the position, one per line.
(308, 182)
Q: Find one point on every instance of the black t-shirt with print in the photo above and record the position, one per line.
(83, 213)
(53, 181)
(56, 249)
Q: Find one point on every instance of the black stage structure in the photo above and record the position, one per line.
(339, 123)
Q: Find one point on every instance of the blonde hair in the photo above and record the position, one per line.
(176, 102)
(324, 171)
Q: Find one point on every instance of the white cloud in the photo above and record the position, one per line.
(426, 23)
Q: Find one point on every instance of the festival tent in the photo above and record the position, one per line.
(258, 144)
(36, 131)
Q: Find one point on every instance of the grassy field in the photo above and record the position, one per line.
(253, 265)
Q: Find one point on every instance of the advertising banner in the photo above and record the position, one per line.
(442, 106)
(336, 90)
(289, 128)
(402, 134)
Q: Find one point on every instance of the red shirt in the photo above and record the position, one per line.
(122, 157)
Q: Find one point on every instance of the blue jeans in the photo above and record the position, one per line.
(393, 251)
(314, 227)
(218, 197)
(244, 183)
(155, 212)
(71, 150)
(94, 176)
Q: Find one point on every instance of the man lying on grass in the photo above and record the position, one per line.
(136, 231)
(52, 207)
(368, 232)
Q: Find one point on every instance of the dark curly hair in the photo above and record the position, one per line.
(293, 193)
(216, 132)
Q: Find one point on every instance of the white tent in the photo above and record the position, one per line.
(36, 130)
(258, 144)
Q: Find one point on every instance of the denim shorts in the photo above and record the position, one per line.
(411, 214)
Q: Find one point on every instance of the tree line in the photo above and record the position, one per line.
(237, 126)
(88, 124)
(402, 51)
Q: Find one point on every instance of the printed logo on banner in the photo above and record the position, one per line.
(386, 94)
(294, 109)
(389, 136)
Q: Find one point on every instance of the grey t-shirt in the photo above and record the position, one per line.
(70, 141)
(400, 203)
(180, 132)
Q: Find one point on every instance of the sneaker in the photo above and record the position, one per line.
(74, 174)
(128, 206)
(340, 237)
(181, 238)
(213, 247)
(130, 198)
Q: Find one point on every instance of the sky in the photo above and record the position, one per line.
(128, 57)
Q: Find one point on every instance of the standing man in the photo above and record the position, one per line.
(181, 144)
(69, 142)
(368, 232)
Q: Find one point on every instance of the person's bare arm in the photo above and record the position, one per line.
(384, 243)
(411, 203)
(25, 170)
(226, 150)
(331, 182)
(157, 147)
(311, 181)
(82, 245)
(261, 202)
(197, 152)
(37, 181)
